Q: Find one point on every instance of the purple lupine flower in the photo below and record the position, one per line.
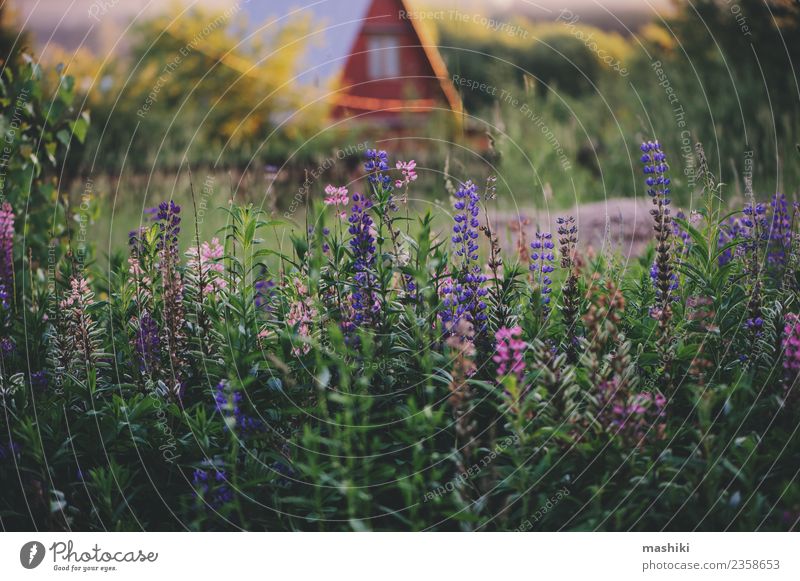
(174, 323)
(169, 226)
(136, 242)
(542, 259)
(464, 295)
(284, 472)
(756, 235)
(673, 278)
(655, 168)
(212, 486)
(755, 223)
(148, 344)
(9, 450)
(4, 297)
(364, 299)
(731, 231)
(376, 166)
(229, 404)
(39, 380)
(7, 347)
(265, 291)
(682, 237)
(780, 231)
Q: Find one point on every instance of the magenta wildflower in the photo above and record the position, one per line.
(6, 251)
(509, 353)
(407, 168)
(791, 345)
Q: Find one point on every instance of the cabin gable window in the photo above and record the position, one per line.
(383, 56)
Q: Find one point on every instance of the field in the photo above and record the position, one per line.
(196, 336)
(372, 380)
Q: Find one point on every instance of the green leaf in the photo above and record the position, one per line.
(79, 128)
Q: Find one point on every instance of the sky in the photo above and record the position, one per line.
(67, 21)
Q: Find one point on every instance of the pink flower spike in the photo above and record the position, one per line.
(509, 353)
(336, 196)
(407, 169)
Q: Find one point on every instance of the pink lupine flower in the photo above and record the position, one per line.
(337, 196)
(791, 360)
(301, 315)
(208, 259)
(509, 353)
(791, 345)
(7, 248)
(407, 169)
(78, 349)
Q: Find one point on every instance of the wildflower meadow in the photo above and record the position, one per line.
(378, 372)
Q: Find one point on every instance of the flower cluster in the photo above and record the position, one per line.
(464, 297)
(364, 299)
(206, 261)
(570, 293)
(655, 168)
(6, 253)
(81, 331)
(337, 197)
(169, 227)
(755, 221)
(731, 231)
(509, 353)
(229, 404)
(542, 259)
(376, 166)
(301, 316)
(791, 345)
(173, 331)
(634, 417)
(654, 276)
(407, 169)
(264, 293)
(757, 235)
(780, 231)
(212, 486)
(147, 343)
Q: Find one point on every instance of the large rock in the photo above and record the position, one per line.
(622, 225)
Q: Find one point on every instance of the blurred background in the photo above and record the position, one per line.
(271, 101)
